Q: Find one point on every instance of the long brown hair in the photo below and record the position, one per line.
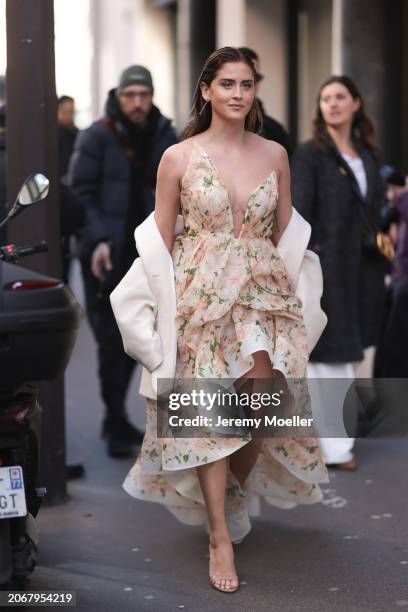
(362, 129)
(201, 112)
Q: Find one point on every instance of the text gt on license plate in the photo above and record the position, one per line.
(12, 494)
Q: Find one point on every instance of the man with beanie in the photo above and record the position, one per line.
(113, 170)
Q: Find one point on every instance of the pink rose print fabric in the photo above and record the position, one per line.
(234, 297)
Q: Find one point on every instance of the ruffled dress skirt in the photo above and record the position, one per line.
(233, 298)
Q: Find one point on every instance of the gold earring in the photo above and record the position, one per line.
(201, 111)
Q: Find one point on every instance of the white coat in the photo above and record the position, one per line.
(144, 302)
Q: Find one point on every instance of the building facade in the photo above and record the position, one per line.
(300, 43)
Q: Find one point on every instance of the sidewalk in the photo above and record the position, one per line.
(348, 553)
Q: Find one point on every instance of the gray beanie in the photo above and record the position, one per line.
(135, 75)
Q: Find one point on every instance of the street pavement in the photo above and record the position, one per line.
(348, 553)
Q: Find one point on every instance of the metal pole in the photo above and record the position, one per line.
(32, 146)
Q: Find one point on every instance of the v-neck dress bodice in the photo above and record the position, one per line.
(233, 298)
(207, 206)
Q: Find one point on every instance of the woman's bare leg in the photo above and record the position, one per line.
(243, 460)
(213, 479)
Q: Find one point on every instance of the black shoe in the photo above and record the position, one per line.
(132, 433)
(123, 429)
(76, 470)
(117, 447)
(121, 436)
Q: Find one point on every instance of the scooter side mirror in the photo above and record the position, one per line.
(34, 189)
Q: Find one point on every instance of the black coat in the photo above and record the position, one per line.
(326, 193)
(101, 174)
(273, 130)
(72, 212)
(66, 140)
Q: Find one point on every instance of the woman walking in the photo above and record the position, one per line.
(337, 187)
(237, 314)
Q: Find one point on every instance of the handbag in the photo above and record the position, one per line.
(385, 246)
(375, 243)
(378, 243)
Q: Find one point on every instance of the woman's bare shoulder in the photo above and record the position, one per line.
(176, 157)
(271, 149)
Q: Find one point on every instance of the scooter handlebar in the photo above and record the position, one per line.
(12, 252)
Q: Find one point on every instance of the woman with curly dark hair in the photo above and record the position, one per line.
(337, 187)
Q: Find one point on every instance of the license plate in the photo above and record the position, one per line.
(12, 494)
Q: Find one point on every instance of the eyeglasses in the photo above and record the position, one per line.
(131, 95)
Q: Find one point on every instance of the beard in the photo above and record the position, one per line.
(137, 116)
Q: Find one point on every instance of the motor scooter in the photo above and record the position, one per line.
(39, 319)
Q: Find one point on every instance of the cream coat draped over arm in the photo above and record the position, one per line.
(144, 302)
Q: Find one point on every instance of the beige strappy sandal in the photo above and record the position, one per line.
(214, 579)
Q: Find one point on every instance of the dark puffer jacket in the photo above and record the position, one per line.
(325, 191)
(100, 172)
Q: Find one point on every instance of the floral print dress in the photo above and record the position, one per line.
(233, 298)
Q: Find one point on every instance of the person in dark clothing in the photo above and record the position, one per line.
(337, 187)
(113, 171)
(72, 216)
(67, 133)
(272, 129)
(398, 195)
(391, 360)
(3, 171)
